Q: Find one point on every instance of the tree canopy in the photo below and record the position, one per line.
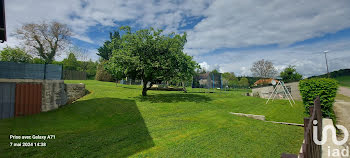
(229, 79)
(73, 63)
(15, 55)
(70, 63)
(45, 39)
(151, 56)
(263, 68)
(105, 51)
(243, 82)
(290, 74)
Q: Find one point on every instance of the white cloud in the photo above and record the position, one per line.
(237, 23)
(224, 24)
(308, 59)
(83, 38)
(81, 15)
(204, 65)
(231, 23)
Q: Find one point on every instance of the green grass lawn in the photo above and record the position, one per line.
(117, 122)
(344, 81)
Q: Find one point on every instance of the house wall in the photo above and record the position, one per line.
(265, 92)
(203, 81)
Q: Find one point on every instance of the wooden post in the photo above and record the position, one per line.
(311, 110)
(318, 111)
(285, 155)
(309, 147)
(306, 124)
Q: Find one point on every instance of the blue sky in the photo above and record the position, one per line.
(228, 35)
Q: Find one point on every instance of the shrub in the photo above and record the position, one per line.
(326, 88)
(102, 74)
(15, 55)
(290, 74)
(38, 61)
(91, 69)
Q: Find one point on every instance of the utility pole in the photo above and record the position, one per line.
(325, 56)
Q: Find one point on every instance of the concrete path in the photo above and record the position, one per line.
(342, 112)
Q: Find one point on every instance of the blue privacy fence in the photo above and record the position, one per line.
(13, 70)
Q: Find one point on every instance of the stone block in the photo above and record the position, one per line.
(75, 91)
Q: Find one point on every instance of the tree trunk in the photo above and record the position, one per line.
(184, 87)
(144, 88)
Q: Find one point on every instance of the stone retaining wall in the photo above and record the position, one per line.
(265, 92)
(55, 93)
(75, 91)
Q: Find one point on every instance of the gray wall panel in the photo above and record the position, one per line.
(53, 72)
(13, 70)
(7, 100)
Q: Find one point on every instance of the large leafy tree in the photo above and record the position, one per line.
(290, 74)
(91, 69)
(15, 55)
(45, 39)
(264, 69)
(70, 63)
(105, 51)
(151, 56)
(185, 69)
(243, 82)
(229, 79)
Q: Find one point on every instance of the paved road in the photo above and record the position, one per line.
(342, 111)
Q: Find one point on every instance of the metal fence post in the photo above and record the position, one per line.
(62, 72)
(45, 71)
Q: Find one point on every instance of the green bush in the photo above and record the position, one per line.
(102, 74)
(38, 61)
(15, 55)
(91, 68)
(326, 88)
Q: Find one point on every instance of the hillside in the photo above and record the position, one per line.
(342, 75)
(344, 80)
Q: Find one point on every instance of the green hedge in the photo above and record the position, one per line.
(326, 88)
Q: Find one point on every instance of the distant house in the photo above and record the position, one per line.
(264, 81)
(203, 78)
(207, 80)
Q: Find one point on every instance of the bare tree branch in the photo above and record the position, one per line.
(45, 39)
(263, 68)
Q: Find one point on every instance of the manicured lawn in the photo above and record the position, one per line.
(117, 122)
(344, 81)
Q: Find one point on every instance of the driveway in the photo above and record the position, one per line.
(342, 110)
(344, 90)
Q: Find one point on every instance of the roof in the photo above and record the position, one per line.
(264, 81)
(204, 76)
